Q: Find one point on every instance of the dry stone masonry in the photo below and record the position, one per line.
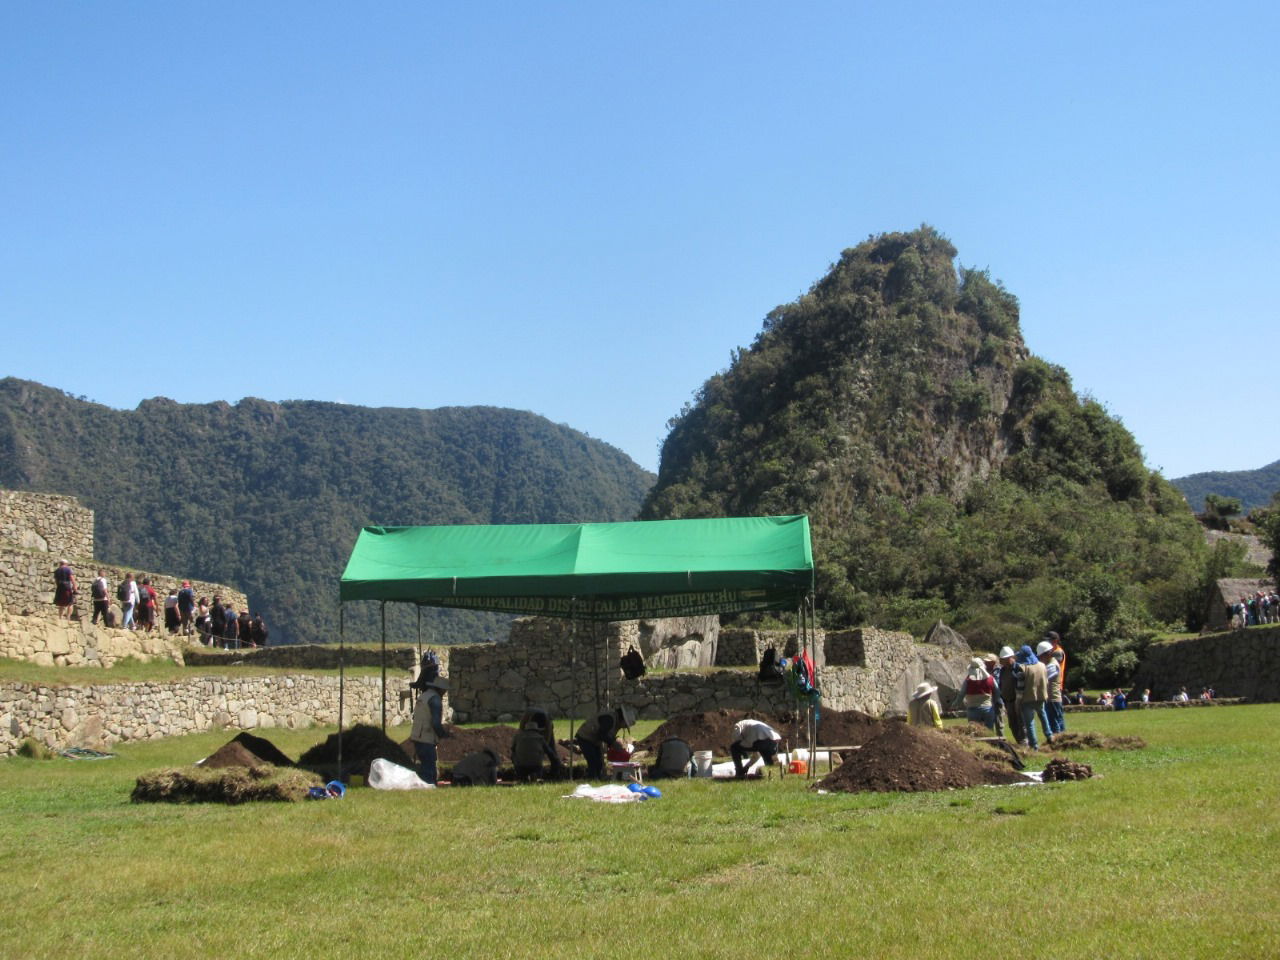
(36, 531)
(865, 669)
(1238, 663)
(101, 714)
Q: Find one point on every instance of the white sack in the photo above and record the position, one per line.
(385, 775)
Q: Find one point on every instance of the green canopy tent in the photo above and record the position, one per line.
(586, 571)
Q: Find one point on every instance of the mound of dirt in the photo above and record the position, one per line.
(460, 742)
(246, 750)
(903, 757)
(238, 784)
(1060, 768)
(361, 745)
(1096, 741)
(714, 730)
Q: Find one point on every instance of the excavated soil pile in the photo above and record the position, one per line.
(1096, 741)
(460, 742)
(714, 730)
(246, 750)
(361, 745)
(902, 757)
(237, 784)
(1061, 769)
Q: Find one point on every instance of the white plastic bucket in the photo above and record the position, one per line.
(702, 763)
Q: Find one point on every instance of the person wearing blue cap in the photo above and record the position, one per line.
(428, 725)
(1033, 692)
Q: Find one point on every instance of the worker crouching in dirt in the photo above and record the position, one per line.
(428, 726)
(753, 736)
(599, 734)
(533, 743)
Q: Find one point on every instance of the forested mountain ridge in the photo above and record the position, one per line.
(1253, 488)
(947, 472)
(270, 496)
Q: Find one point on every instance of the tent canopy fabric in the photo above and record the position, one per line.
(592, 571)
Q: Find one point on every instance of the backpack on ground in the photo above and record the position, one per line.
(771, 670)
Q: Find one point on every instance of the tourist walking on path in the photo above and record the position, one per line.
(101, 591)
(186, 608)
(64, 590)
(128, 597)
(146, 612)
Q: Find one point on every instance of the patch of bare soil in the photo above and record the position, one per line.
(907, 758)
(1059, 769)
(246, 750)
(1096, 741)
(714, 730)
(361, 745)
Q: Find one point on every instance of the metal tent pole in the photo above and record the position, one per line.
(595, 667)
(812, 641)
(342, 677)
(573, 675)
(384, 666)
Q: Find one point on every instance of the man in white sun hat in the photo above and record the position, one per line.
(922, 711)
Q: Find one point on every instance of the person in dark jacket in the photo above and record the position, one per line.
(533, 743)
(599, 734)
(428, 726)
(1008, 686)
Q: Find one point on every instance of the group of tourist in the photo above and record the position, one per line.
(218, 624)
(1261, 607)
(1023, 687)
(141, 606)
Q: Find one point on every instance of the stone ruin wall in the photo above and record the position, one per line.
(493, 682)
(36, 531)
(102, 714)
(48, 524)
(865, 669)
(50, 642)
(1238, 663)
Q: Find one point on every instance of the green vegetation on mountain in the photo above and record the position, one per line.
(270, 496)
(1253, 488)
(947, 472)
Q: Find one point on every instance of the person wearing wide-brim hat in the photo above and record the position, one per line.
(428, 725)
(977, 691)
(922, 711)
(600, 733)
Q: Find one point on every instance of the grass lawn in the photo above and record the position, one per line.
(1172, 852)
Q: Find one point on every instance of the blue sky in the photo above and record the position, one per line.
(581, 209)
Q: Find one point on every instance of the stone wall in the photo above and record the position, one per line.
(26, 584)
(99, 715)
(78, 643)
(44, 523)
(309, 656)
(36, 531)
(549, 664)
(1240, 663)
